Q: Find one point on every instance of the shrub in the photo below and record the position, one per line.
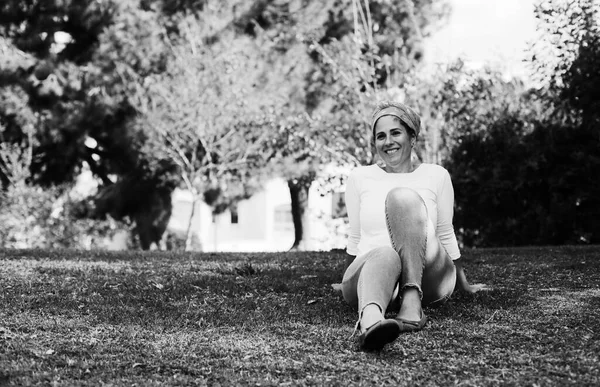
(31, 217)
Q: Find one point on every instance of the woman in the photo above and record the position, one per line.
(401, 241)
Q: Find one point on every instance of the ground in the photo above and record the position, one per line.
(140, 318)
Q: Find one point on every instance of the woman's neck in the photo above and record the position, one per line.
(398, 168)
(405, 167)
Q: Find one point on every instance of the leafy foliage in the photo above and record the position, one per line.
(372, 60)
(525, 186)
(33, 217)
(64, 94)
(525, 161)
(218, 96)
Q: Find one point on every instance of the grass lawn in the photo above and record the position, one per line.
(99, 318)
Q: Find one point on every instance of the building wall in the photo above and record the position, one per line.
(255, 230)
(264, 222)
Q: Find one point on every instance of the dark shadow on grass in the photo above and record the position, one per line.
(4, 379)
(538, 325)
(254, 290)
(476, 307)
(243, 294)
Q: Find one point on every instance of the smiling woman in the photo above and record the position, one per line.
(401, 243)
(394, 139)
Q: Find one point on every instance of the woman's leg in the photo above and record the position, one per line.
(439, 274)
(427, 271)
(369, 282)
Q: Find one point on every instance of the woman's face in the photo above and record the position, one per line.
(392, 141)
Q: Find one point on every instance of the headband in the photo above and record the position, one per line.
(405, 114)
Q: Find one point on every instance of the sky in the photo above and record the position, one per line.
(495, 32)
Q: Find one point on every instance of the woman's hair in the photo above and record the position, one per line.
(406, 115)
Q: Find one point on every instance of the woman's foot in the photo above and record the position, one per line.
(411, 318)
(411, 325)
(376, 331)
(378, 335)
(411, 308)
(371, 315)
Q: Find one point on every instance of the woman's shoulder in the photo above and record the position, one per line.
(434, 168)
(365, 170)
(436, 172)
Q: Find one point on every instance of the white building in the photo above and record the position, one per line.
(263, 222)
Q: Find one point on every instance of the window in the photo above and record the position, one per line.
(283, 218)
(233, 210)
(283, 214)
(338, 205)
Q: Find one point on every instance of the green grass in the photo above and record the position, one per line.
(93, 318)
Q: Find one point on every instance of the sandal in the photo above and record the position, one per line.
(379, 334)
(411, 326)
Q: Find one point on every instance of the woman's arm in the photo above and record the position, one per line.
(349, 260)
(445, 214)
(461, 280)
(352, 199)
(445, 231)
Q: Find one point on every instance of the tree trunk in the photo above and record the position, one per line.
(299, 195)
(189, 234)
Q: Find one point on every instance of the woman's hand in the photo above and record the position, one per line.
(348, 261)
(474, 288)
(463, 284)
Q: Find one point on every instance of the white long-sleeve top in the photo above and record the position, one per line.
(366, 191)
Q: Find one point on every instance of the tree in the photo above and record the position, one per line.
(523, 160)
(52, 80)
(112, 52)
(196, 113)
(343, 55)
(78, 98)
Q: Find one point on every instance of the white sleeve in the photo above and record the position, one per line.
(445, 206)
(352, 197)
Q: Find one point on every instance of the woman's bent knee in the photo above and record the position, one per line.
(385, 256)
(405, 202)
(403, 196)
(384, 252)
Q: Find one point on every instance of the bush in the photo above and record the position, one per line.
(31, 217)
(515, 188)
(527, 174)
